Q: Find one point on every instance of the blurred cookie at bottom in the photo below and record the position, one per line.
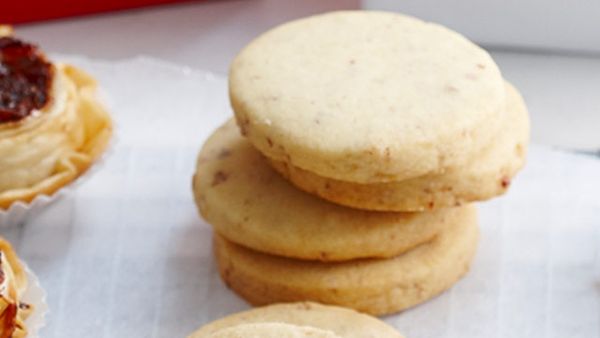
(304, 319)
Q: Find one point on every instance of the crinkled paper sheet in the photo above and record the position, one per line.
(125, 255)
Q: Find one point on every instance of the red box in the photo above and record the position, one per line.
(19, 11)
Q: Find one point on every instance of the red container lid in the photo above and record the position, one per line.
(20, 11)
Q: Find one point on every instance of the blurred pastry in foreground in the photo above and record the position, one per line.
(13, 283)
(303, 319)
(6, 30)
(52, 126)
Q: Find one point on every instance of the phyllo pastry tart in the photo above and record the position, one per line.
(52, 126)
(13, 283)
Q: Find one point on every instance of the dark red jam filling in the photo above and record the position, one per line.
(25, 79)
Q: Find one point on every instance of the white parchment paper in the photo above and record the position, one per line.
(126, 255)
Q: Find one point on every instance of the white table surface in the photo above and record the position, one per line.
(562, 92)
(126, 255)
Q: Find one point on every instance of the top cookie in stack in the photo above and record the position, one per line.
(380, 111)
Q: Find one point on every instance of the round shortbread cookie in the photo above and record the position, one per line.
(249, 203)
(345, 323)
(487, 175)
(272, 330)
(365, 96)
(375, 286)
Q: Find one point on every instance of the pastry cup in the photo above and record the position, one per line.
(85, 124)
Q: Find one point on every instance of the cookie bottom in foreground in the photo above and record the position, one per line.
(339, 321)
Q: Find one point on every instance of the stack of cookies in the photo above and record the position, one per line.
(361, 140)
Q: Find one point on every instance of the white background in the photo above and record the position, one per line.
(547, 25)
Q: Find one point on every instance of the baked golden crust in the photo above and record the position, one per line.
(49, 149)
(13, 284)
